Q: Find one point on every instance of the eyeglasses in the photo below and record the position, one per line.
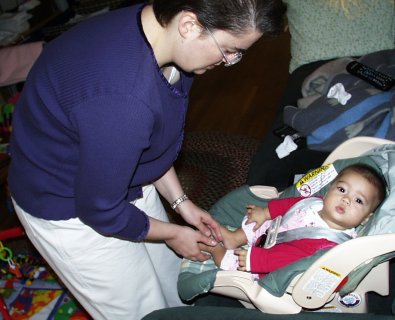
(231, 58)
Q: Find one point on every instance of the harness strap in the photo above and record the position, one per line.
(313, 233)
(273, 237)
(269, 240)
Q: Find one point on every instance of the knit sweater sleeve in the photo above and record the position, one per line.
(112, 139)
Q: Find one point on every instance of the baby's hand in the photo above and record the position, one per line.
(242, 254)
(257, 214)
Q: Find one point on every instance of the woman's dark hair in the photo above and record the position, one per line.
(370, 174)
(234, 16)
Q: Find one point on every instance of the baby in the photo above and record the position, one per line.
(351, 199)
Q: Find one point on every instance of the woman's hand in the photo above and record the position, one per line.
(170, 188)
(202, 220)
(182, 239)
(185, 243)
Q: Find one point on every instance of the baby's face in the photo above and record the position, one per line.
(349, 201)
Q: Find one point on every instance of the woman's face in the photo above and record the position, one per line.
(207, 51)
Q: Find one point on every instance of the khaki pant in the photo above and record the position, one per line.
(111, 278)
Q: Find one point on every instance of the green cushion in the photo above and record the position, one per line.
(328, 29)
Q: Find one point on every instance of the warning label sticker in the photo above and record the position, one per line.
(322, 282)
(315, 180)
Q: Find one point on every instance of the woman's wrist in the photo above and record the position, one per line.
(178, 201)
(161, 230)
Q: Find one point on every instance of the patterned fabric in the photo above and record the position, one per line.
(323, 29)
(197, 266)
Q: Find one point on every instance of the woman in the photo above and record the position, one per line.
(96, 131)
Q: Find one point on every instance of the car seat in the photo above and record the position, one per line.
(335, 279)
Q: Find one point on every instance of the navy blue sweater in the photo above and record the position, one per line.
(96, 120)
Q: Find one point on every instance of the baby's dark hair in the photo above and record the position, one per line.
(371, 175)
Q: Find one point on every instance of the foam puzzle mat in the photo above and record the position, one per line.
(35, 293)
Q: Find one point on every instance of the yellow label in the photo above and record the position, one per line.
(315, 180)
(331, 271)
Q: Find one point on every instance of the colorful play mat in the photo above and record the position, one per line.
(32, 291)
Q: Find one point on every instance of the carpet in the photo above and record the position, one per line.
(212, 164)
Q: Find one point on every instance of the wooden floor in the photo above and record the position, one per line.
(242, 99)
